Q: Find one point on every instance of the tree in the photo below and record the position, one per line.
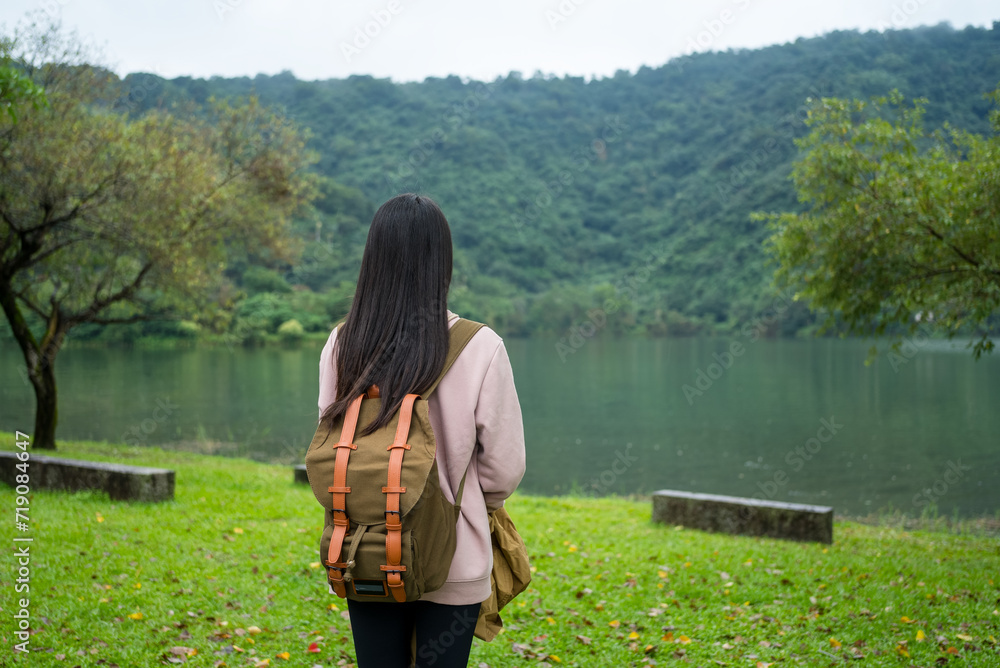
(17, 89)
(105, 218)
(902, 227)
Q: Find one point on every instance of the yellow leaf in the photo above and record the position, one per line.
(332, 606)
(100, 518)
(572, 548)
(668, 637)
(135, 615)
(965, 637)
(550, 620)
(905, 620)
(633, 636)
(834, 643)
(262, 663)
(192, 652)
(283, 655)
(687, 564)
(314, 564)
(684, 640)
(921, 635)
(661, 574)
(253, 629)
(138, 585)
(902, 651)
(614, 623)
(237, 648)
(237, 530)
(555, 658)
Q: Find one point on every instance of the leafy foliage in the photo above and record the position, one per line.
(110, 219)
(903, 228)
(555, 186)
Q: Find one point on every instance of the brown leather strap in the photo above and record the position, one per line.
(340, 490)
(393, 524)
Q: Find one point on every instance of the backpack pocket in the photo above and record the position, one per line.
(365, 578)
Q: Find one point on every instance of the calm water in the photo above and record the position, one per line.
(612, 418)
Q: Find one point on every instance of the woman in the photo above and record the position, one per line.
(396, 337)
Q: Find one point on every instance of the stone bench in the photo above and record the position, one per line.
(121, 482)
(300, 474)
(743, 516)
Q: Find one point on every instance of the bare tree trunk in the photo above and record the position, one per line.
(43, 379)
(39, 360)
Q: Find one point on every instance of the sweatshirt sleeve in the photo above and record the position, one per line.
(327, 375)
(500, 432)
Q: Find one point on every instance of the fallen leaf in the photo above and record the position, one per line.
(313, 647)
(921, 635)
(135, 615)
(834, 643)
(633, 635)
(614, 623)
(584, 639)
(283, 655)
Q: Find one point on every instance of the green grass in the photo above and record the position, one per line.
(128, 584)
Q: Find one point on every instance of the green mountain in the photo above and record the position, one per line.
(629, 195)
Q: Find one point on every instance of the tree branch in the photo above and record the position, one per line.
(90, 314)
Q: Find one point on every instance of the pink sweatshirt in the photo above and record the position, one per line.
(476, 419)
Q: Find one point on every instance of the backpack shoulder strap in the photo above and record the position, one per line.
(458, 336)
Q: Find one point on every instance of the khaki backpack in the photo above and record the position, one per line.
(389, 531)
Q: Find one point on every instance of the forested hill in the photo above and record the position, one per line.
(565, 193)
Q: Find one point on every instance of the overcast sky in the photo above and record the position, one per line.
(409, 40)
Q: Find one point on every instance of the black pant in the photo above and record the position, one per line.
(383, 633)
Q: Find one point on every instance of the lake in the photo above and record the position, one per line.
(790, 420)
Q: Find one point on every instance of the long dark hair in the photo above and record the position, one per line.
(396, 333)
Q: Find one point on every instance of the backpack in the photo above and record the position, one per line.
(389, 532)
